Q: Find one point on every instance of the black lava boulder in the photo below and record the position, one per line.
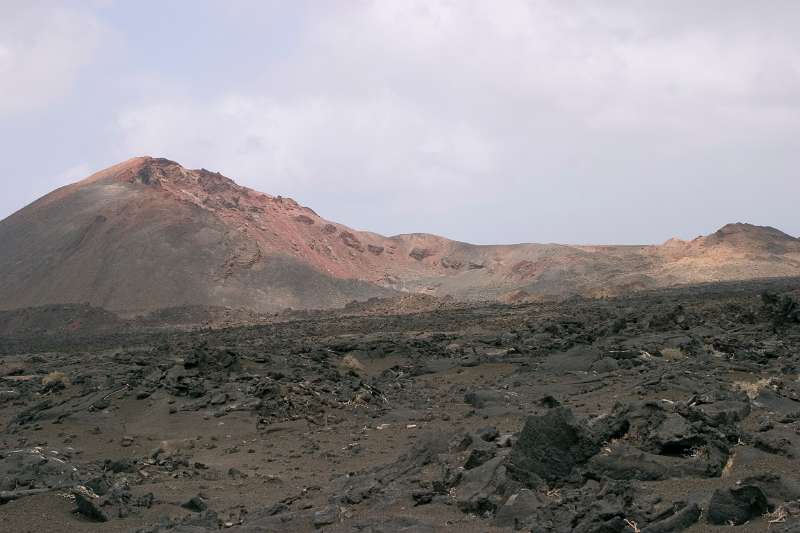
(549, 447)
(736, 506)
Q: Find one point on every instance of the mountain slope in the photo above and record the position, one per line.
(137, 237)
(148, 234)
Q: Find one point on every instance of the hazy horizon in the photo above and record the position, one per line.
(513, 121)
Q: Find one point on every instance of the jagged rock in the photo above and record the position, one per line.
(577, 359)
(326, 516)
(778, 489)
(550, 447)
(89, 506)
(481, 489)
(479, 456)
(195, 504)
(518, 508)
(625, 462)
(36, 468)
(725, 412)
(677, 521)
(736, 506)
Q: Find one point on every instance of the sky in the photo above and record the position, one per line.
(493, 121)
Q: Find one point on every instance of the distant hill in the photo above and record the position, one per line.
(149, 234)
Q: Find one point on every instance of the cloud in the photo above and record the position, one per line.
(312, 142)
(72, 174)
(529, 111)
(43, 48)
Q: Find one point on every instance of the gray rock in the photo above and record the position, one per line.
(479, 456)
(481, 489)
(8, 396)
(627, 463)
(89, 507)
(678, 521)
(604, 365)
(326, 516)
(577, 359)
(519, 506)
(196, 504)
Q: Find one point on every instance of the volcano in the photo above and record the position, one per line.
(148, 234)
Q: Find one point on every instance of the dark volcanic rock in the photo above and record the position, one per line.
(482, 489)
(625, 462)
(196, 504)
(736, 506)
(661, 443)
(328, 515)
(89, 507)
(488, 434)
(519, 507)
(36, 468)
(577, 359)
(357, 423)
(479, 456)
(777, 488)
(724, 412)
(550, 447)
(678, 521)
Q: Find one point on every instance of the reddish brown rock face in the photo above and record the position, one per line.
(148, 233)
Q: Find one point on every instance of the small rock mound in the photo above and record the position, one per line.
(550, 447)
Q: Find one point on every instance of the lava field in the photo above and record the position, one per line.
(671, 410)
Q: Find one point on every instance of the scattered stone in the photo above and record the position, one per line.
(677, 521)
(479, 456)
(326, 516)
(89, 506)
(549, 402)
(196, 504)
(737, 505)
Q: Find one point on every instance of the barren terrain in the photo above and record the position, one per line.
(662, 411)
(148, 234)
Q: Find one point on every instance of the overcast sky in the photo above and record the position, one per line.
(484, 121)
